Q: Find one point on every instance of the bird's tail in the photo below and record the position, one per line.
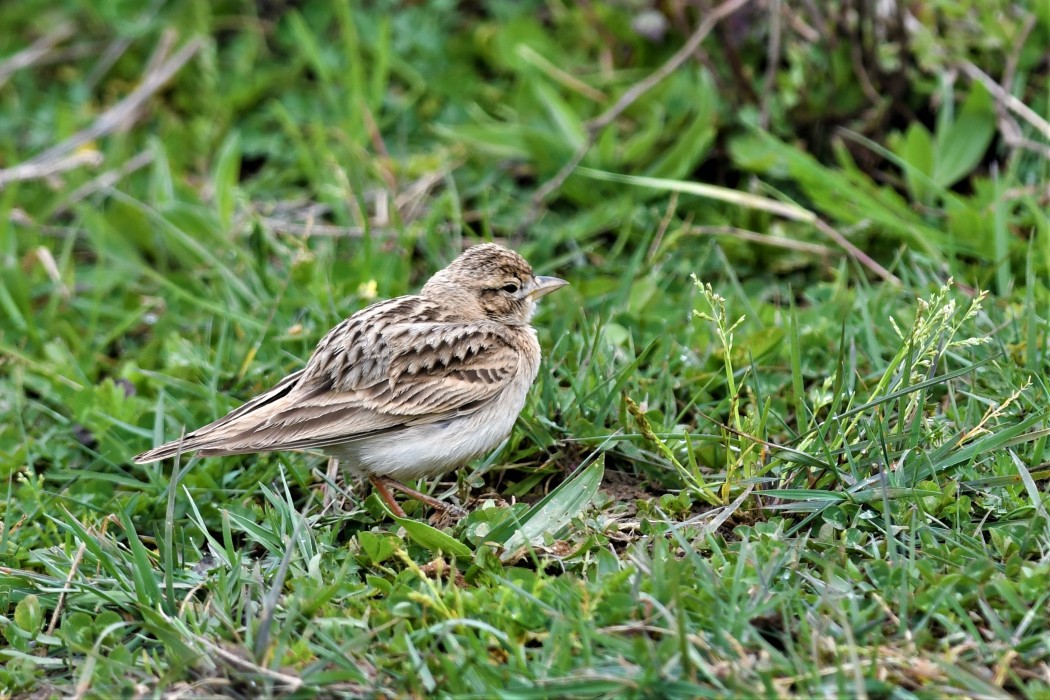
(224, 436)
(205, 445)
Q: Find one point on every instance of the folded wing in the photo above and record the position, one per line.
(365, 378)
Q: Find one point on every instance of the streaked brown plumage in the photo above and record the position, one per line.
(406, 388)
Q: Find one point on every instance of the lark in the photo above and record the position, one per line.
(408, 388)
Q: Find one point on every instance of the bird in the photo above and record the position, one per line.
(407, 388)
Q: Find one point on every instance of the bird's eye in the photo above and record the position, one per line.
(511, 288)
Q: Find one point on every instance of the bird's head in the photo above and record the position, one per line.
(492, 282)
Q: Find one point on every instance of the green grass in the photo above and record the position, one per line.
(755, 463)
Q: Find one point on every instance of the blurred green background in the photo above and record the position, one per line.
(842, 493)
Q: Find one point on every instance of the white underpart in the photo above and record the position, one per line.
(435, 448)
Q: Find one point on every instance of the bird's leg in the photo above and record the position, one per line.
(379, 483)
(412, 493)
(329, 485)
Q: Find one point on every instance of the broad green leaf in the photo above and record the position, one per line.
(78, 631)
(916, 148)
(432, 538)
(28, 614)
(962, 145)
(553, 511)
(377, 548)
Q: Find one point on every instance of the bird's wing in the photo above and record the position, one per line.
(375, 372)
(432, 372)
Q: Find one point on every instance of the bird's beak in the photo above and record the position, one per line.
(546, 285)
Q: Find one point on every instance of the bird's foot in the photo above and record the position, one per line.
(383, 485)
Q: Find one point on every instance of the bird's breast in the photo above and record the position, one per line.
(434, 448)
